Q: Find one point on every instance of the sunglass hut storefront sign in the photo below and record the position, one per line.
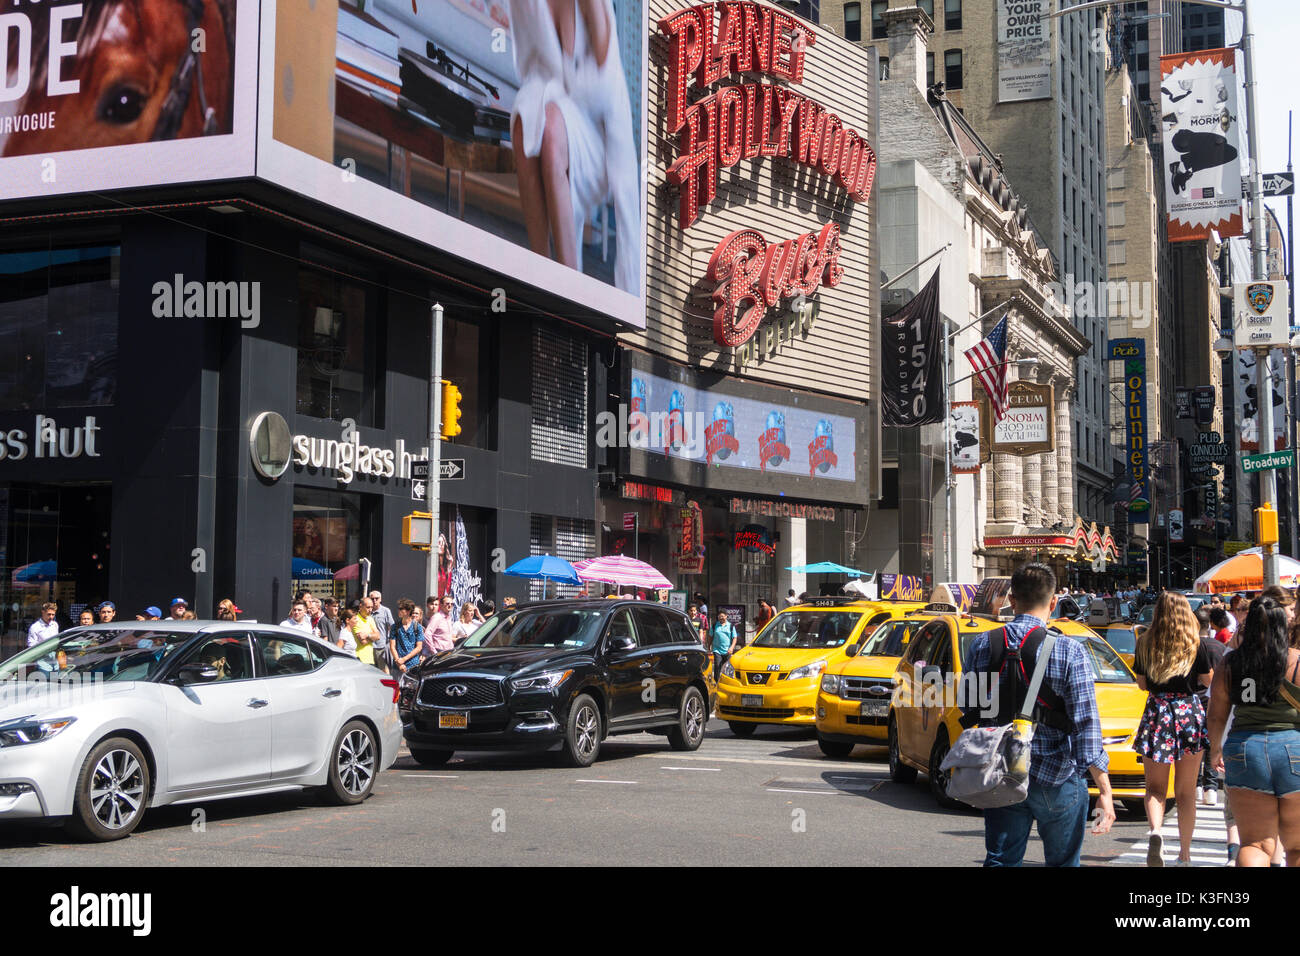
(742, 121)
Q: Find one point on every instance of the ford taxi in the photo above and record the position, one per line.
(924, 713)
(774, 680)
(853, 698)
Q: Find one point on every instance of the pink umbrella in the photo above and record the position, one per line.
(349, 573)
(621, 570)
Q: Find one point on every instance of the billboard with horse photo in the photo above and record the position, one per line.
(103, 94)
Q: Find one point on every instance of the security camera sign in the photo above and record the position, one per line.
(1260, 314)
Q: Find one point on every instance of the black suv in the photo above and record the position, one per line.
(561, 674)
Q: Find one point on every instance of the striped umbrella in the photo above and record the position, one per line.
(621, 570)
(1244, 571)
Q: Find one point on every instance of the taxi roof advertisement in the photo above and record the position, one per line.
(465, 125)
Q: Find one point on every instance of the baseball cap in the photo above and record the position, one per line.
(153, 611)
(107, 604)
(180, 601)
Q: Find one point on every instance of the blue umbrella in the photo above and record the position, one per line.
(302, 568)
(36, 572)
(828, 567)
(544, 566)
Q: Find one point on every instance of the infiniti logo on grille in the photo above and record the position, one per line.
(457, 690)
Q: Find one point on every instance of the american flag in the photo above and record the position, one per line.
(989, 361)
(1134, 490)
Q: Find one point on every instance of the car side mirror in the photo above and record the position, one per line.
(851, 651)
(930, 670)
(622, 644)
(196, 674)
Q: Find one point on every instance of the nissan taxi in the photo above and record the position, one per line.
(925, 710)
(853, 698)
(774, 680)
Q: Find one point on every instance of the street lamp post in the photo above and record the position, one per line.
(1258, 244)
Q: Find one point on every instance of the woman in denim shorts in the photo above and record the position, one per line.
(1261, 756)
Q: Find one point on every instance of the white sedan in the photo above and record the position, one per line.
(102, 722)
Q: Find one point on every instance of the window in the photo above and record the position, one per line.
(559, 406)
(929, 69)
(336, 356)
(652, 626)
(332, 531)
(58, 327)
(853, 21)
(620, 627)
(952, 14)
(927, 6)
(1115, 215)
(1118, 252)
(466, 364)
(230, 654)
(884, 67)
(278, 655)
(952, 69)
(878, 8)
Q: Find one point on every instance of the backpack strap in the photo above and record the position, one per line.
(1048, 707)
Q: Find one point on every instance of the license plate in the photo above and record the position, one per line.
(751, 700)
(455, 720)
(875, 708)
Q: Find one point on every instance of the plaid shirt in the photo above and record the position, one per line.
(1055, 755)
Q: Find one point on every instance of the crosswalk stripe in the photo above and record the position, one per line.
(1209, 841)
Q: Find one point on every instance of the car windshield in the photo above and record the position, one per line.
(544, 627)
(1147, 614)
(891, 639)
(1121, 638)
(114, 655)
(809, 629)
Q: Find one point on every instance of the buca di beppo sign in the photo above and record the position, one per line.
(742, 121)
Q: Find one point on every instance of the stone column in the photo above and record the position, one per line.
(1033, 498)
(1065, 454)
(1051, 478)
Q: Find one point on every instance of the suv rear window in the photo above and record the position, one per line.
(809, 629)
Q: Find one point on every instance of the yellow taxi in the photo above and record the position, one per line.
(853, 698)
(924, 717)
(774, 680)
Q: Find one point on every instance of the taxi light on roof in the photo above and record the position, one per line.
(940, 607)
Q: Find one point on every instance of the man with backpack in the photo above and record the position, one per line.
(1067, 742)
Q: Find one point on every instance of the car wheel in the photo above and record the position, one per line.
(742, 730)
(939, 778)
(431, 758)
(112, 792)
(833, 748)
(689, 732)
(353, 765)
(899, 772)
(582, 733)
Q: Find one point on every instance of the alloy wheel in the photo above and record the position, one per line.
(586, 724)
(117, 789)
(694, 718)
(356, 762)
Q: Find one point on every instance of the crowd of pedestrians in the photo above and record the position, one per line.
(1224, 680)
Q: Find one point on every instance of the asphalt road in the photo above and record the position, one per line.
(771, 800)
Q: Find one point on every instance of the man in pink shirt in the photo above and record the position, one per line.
(438, 633)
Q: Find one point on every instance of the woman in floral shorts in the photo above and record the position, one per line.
(1171, 664)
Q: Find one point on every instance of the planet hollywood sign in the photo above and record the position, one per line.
(745, 121)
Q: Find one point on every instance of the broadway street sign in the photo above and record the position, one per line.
(1275, 459)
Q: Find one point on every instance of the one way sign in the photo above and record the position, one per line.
(1279, 184)
(451, 469)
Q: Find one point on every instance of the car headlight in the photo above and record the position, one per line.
(728, 670)
(30, 731)
(808, 670)
(407, 681)
(548, 681)
(830, 683)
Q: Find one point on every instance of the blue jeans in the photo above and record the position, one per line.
(1061, 813)
(1263, 761)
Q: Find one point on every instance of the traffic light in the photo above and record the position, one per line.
(450, 410)
(1265, 525)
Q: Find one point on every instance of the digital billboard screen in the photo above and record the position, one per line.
(108, 94)
(507, 132)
